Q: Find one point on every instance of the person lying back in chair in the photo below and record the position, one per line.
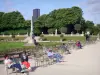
(56, 55)
(22, 67)
(10, 64)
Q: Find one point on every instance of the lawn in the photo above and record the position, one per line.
(10, 45)
(57, 38)
(50, 43)
(75, 38)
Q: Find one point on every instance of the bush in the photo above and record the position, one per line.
(44, 39)
(21, 32)
(50, 31)
(61, 35)
(13, 35)
(42, 35)
(63, 30)
(63, 39)
(1, 39)
(16, 39)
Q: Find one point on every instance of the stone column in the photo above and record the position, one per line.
(56, 32)
(31, 31)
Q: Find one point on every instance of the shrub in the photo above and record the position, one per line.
(63, 39)
(13, 35)
(61, 35)
(44, 39)
(42, 35)
(63, 30)
(50, 31)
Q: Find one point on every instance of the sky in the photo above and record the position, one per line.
(91, 8)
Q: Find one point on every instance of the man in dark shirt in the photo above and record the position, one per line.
(24, 57)
(87, 37)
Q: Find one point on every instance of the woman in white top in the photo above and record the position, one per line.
(9, 63)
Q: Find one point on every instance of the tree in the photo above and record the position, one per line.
(83, 25)
(12, 21)
(90, 25)
(65, 17)
(50, 31)
(1, 20)
(77, 27)
(63, 30)
(98, 26)
(27, 24)
(56, 19)
(61, 36)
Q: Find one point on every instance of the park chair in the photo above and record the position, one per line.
(15, 70)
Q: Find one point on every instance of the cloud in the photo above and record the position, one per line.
(93, 1)
(94, 6)
(91, 9)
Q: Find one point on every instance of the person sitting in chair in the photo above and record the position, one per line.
(65, 48)
(57, 56)
(24, 61)
(24, 57)
(10, 64)
(78, 44)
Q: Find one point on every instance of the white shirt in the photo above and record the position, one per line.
(8, 62)
(50, 53)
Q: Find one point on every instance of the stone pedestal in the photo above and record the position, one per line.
(30, 41)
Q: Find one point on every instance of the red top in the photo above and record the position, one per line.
(27, 64)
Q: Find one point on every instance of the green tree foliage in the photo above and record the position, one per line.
(56, 19)
(65, 17)
(95, 30)
(77, 27)
(51, 31)
(63, 30)
(98, 26)
(90, 25)
(1, 20)
(13, 21)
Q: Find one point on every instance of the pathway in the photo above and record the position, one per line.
(81, 62)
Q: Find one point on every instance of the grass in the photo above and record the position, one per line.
(50, 38)
(57, 38)
(10, 45)
(75, 38)
(50, 43)
(4, 46)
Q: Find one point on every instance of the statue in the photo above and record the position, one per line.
(56, 32)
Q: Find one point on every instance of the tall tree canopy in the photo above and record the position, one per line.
(13, 21)
(47, 23)
(65, 17)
